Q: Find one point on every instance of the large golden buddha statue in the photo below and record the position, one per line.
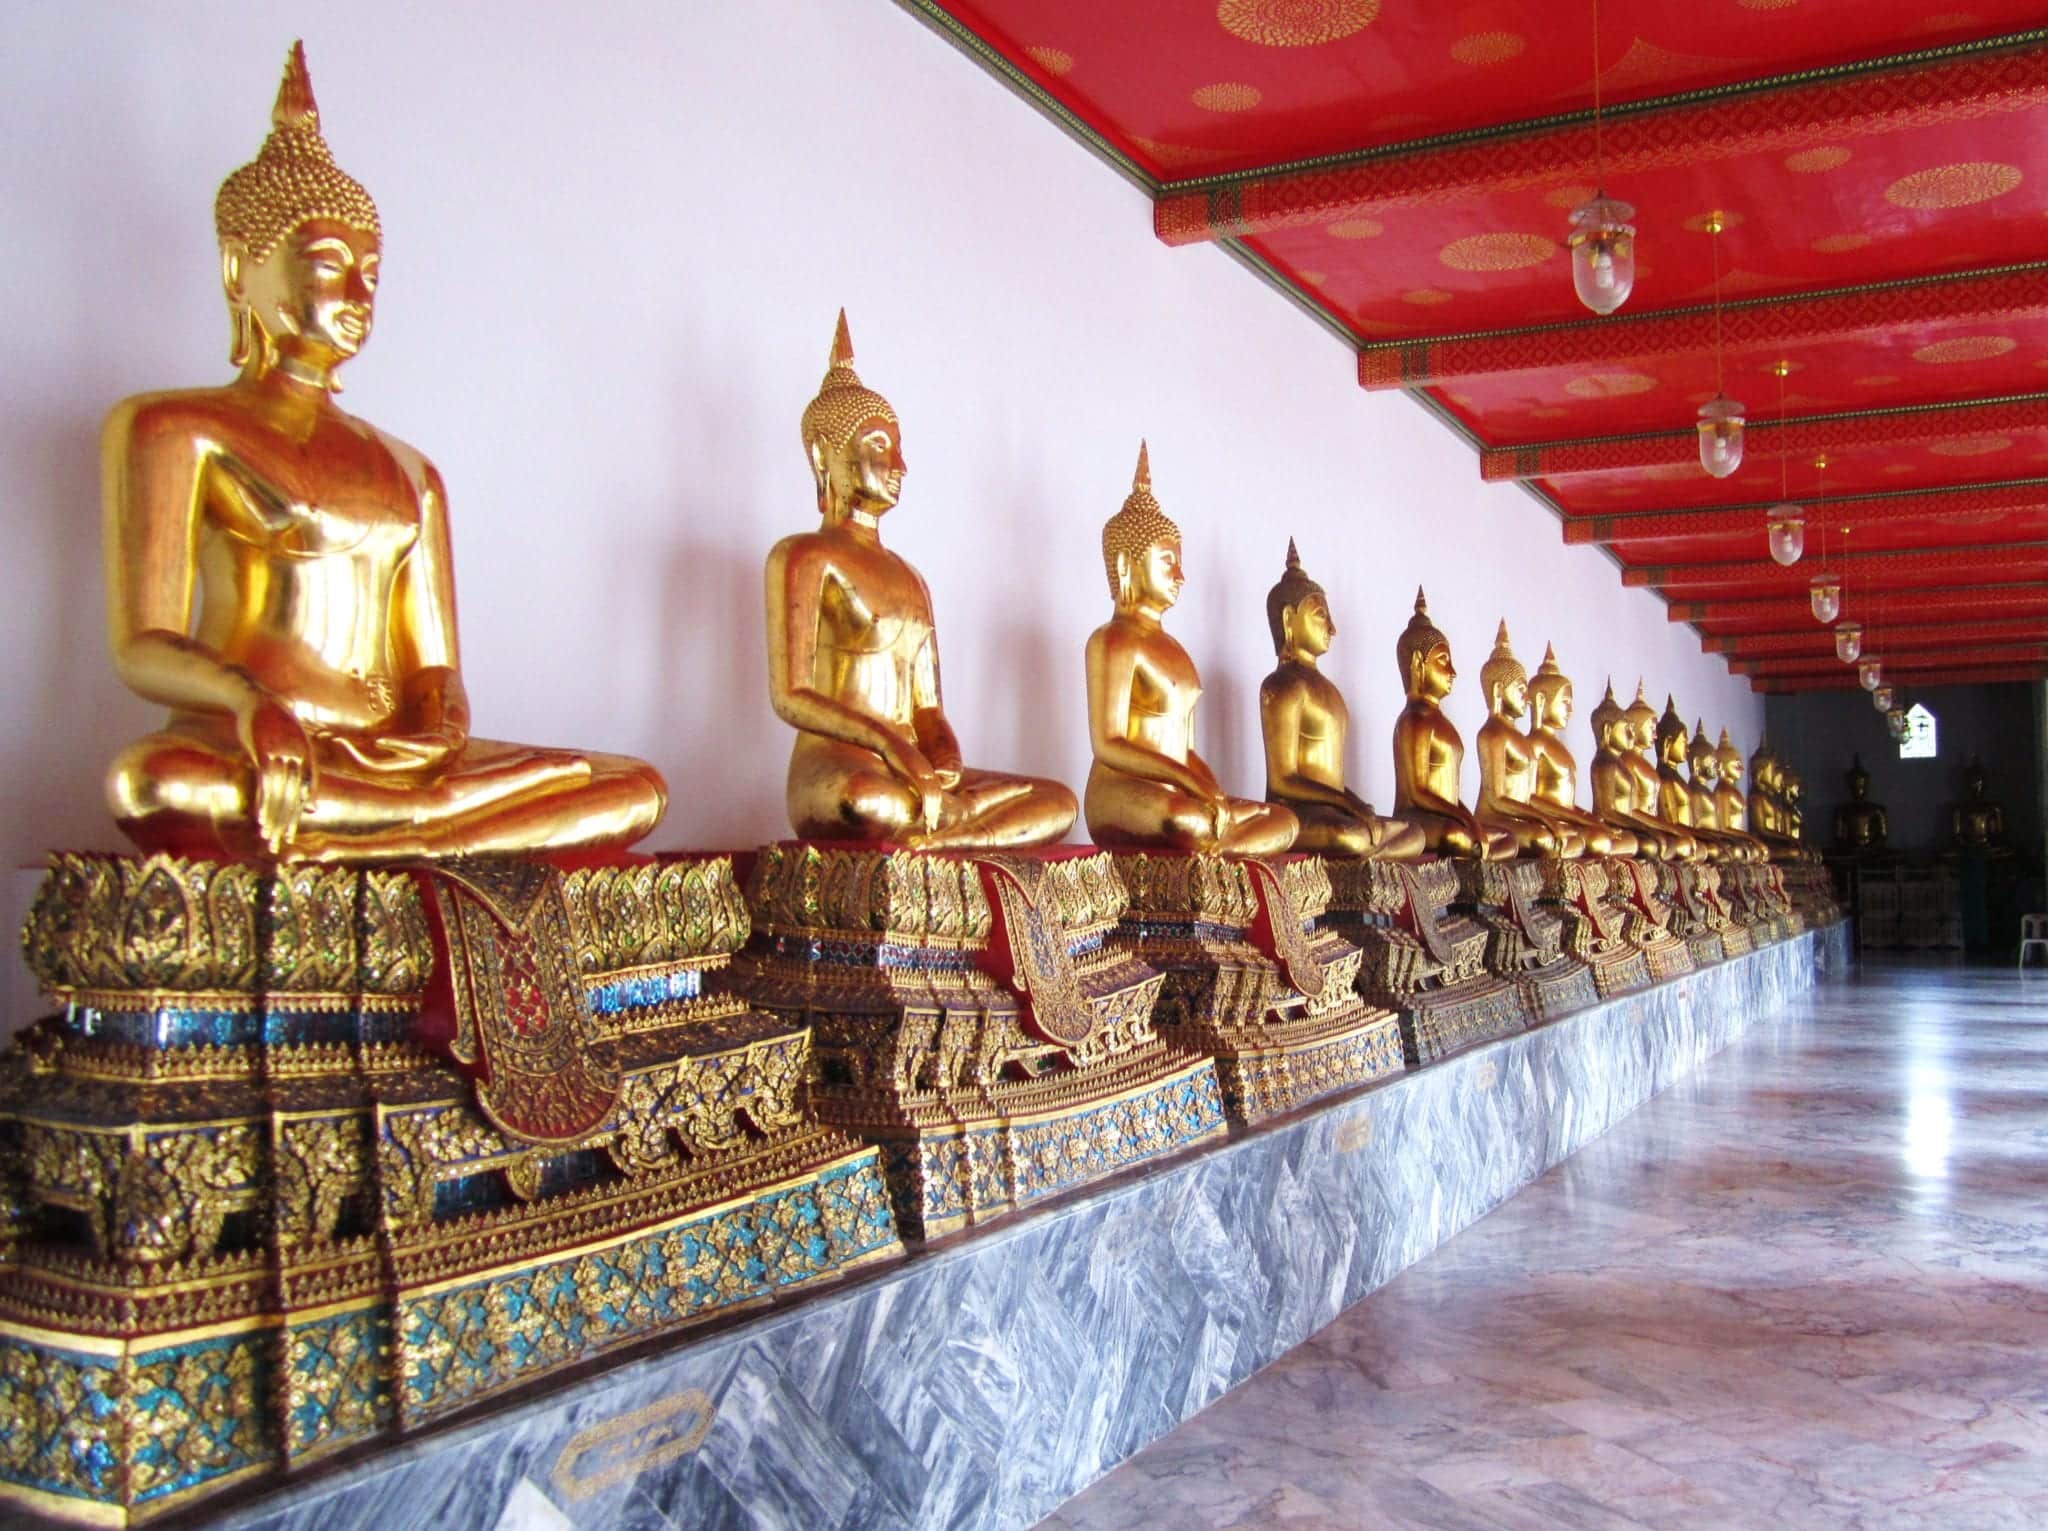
(278, 575)
(1556, 778)
(1428, 752)
(1305, 722)
(853, 659)
(1147, 787)
(1625, 786)
(1507, 763)
(1978, 822)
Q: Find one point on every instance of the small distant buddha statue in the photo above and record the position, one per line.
(1305, 722)
(1978, 822)
(1703, 764)
(1791, 788)
(1507, 763)
(1556, 770)
(1147, 787)
(1766, 820)
(278, 574)
(853, 659)
(1860, 824)
(1429, 754)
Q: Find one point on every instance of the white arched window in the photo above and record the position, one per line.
(1919, 741)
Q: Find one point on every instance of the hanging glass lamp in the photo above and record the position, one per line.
(1720, 428)
(1787, 529)
(1848, 641)
(1603, 246)
(1882, 698)
(1870, 673)
(1897, 722)
(1825, 594)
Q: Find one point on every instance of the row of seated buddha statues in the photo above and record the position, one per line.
(385, 1079)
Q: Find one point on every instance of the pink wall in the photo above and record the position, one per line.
(615, 241)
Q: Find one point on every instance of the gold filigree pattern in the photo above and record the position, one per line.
(1497, 252)
(1226, 96)
(1959, 185)
(1484, 48)
(1964, 348)
(1295, 23)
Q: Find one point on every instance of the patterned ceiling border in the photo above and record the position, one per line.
(1932, 502)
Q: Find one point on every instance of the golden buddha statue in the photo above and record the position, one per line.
(1429, 754)
(1731, 805)
(1766, 821)
(1703, 767)
(1671, 738)
(1860, 824)
(1649, 765)
(1305, 723)
(1625, 786)
(1556, 785)
(1147, 787)
(1791, 788)
(1507, 763)
(853, 659)
(278, 575)
(1978, 822)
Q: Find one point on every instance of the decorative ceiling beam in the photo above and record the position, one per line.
(1927, 600)
(1997, 563)
(1802, 112)
(1895, 662)
(1785, 684)
(1912, 425)
(2015, 496)
(1814, 639)
(1996, 294)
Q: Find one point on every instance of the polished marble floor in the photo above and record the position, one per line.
(1807, 1286)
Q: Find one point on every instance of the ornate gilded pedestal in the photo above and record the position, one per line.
(315, 1154)
(1595, 929)
(1635, 888)
(1682, 886)
(971, 1019)
(1426, 962)
(1252, 978)
(1524, 941)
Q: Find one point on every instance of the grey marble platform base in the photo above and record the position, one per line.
(984, 1381)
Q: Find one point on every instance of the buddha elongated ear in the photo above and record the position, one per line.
(248, 342)
(1123, 576)
(821, 474)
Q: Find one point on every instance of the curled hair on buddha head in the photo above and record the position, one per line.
(1671, 725)
(1607, 714)
(1702, 756)
(1548, 681)
(1501, 669)
(1417, 638)
(1138, 527)
(843, 402)
(1294, 588)
(293, 178)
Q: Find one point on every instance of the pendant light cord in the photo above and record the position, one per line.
(1599, 144)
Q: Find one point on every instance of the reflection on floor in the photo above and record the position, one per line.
(1808, 1286)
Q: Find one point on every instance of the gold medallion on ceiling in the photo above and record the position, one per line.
(1497, 252)
(1356, 228)
(1426, 297)
(1482, 48)
(1609, 385)
(1817, 161)
(1226, 96)
(1971, 446)
(1295, 23)
(1953, 185)
(1051, 60)
(1966, 348)
(1839, 244)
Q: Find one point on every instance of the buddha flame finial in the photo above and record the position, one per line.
(1137, 528)
(843, 403)
(1293, 588)
(293, 178)
(1501, 669)
(1548, 680)
(1417, 638)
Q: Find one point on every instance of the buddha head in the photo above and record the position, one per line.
(1730, 759)
(1672, 735)
(1760, 766)
(1610, 724)
(1642, 722)
(1298, 613)
(1141, 548)
(1703, 758)
(1859, 779)
(1424, 654)
(300, 246)
(852, 439)
(1503, 680)
(1550, 691)
(1973, 779)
